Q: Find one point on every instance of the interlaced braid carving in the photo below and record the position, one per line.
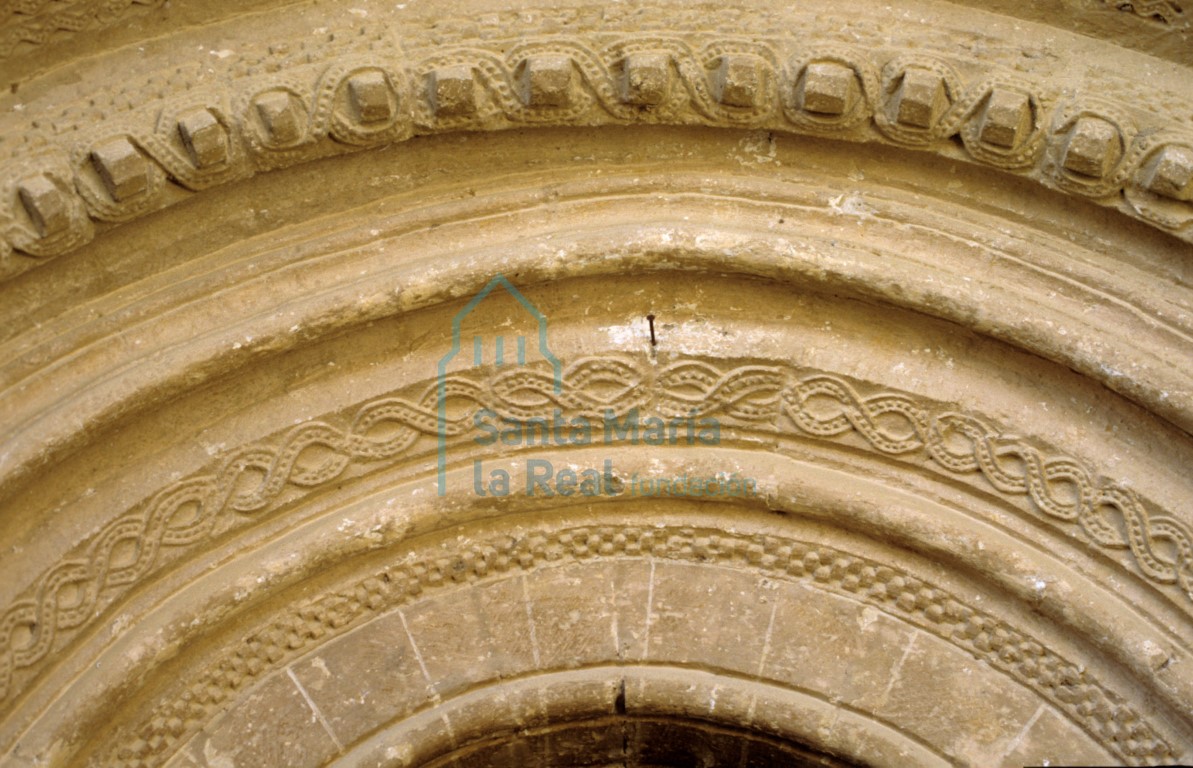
(749, 393)
(524, 394)
(1164, 11)
(848, 412)
(1111, 515)
(1099, 711)
(251, 479)
(246, 482)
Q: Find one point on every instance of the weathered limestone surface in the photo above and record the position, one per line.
(288, 288)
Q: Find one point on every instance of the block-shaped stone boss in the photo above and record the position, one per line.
(45, 203)
(204, 137)
(737, 81)
(370, 96)
(281, 116)
(827, 88)
(453, 91)
(1007, 120)
(122, 168)
(920, 98)
(646, 78)
(1170, 173)
(1093, 147)
(546, 81)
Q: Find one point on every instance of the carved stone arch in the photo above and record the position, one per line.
(919, 272)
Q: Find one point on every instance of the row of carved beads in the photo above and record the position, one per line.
(1108, 719)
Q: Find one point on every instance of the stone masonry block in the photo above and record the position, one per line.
(1170, 173)
(646, 78)
(46, 205)
(920, 99)
(828, 88)
(282, 117)
(370, 97)
(737, 81)
(204, 137)
(122, 168)
(547, 81)
(1006, 120)
(453, 91)
(1093, 147)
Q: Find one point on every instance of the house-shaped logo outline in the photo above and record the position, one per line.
(441, 378)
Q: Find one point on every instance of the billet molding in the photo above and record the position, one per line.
(1107, 717)
(247, 482)
(95, 164)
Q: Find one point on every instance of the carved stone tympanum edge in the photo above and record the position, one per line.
(1104, 715)
(249, 480)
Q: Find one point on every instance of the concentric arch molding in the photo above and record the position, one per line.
(927, 264)
(601, 697)
(1029, 105)
(297, 639)
(1096, 310)
(764, 404)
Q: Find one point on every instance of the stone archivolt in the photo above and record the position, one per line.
(1053, 286)
(855, 414)
(925, 265)
(751, 397)
(1099, 712)
(747, 398)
